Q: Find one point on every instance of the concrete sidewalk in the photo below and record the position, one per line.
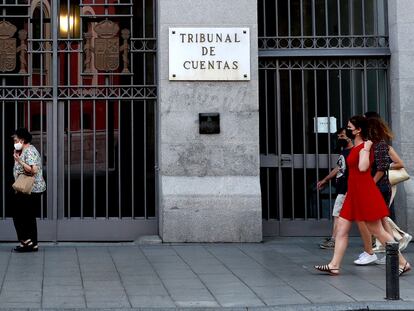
(276, 273)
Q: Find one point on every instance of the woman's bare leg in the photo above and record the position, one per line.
(395, 228)
(387, 226)
(366, 237)
(341, 242)
(376, 228)
(335, 227)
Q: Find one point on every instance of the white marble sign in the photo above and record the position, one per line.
(209, 54)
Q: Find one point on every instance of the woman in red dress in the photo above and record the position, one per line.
(363, 201)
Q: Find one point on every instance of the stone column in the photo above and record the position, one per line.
(209, 184)
(401, 24)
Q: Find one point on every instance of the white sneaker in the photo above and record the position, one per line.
(365, 259)
(405, 240)
(381, 261)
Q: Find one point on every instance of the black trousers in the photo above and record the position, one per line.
(24, 215)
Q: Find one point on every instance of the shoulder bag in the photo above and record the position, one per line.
(397, 176)
(24, 183)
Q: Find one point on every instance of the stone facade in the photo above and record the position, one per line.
(401, 23)
(209, 184)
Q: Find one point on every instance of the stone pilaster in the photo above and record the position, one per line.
(401, 24)
(209, 184)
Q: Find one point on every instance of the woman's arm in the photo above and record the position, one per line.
(33, 169)
(378, 175)
(331, 175)
(397, 163)
(363, 164)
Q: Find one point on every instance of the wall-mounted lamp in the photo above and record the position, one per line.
(66, 24)
(69, 21)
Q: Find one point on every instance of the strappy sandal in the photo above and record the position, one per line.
(405, 269)
(26, 248)
(327, 269)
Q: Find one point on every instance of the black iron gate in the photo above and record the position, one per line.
(81, 76)
(320, 61)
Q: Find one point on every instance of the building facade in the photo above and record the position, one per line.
(198, 121)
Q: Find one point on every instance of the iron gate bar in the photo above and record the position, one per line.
(55, 81)
(3, 157)
(328, 102)
(315, 84)
(313, 18)
(279, 141)
(305, 185)
(291, 144)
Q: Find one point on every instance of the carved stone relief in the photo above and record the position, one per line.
(106, 48)
(7, 46)
(8, 49)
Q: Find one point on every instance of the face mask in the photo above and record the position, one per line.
(349, 134)
(18, 146)
(342, 142)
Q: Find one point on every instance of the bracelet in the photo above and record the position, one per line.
(366, 150)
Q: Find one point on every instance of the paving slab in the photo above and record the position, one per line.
(275, 275)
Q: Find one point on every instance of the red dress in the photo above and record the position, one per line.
(363, 201)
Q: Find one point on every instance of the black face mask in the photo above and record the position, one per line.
(342, 142)
(349, 134)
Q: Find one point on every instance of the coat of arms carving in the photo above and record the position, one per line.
(107, 46)
(7, 46)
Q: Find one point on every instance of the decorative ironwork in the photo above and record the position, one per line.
(40, 46)
(93, 3)
(110, 92)
(323, 42)
(25, 93)
(16, 3)
(143, 45)
(322, 64)
(78, 92)
(70, 45)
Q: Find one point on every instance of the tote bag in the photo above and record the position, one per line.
(397, 176)
(24, 184)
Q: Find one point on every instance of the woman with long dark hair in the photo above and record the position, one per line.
(27, 161)
(385, 158)
(363, 201)
(380, 135)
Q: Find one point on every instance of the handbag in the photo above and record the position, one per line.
(24, 183)
(397, 176)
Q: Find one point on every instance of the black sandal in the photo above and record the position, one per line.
(405, 269)
(25, 247)
(327, 269)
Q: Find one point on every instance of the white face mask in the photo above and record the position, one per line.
(18, 146)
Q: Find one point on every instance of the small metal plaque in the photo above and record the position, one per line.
(324, 125)
(209, 54)
(209, 123)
